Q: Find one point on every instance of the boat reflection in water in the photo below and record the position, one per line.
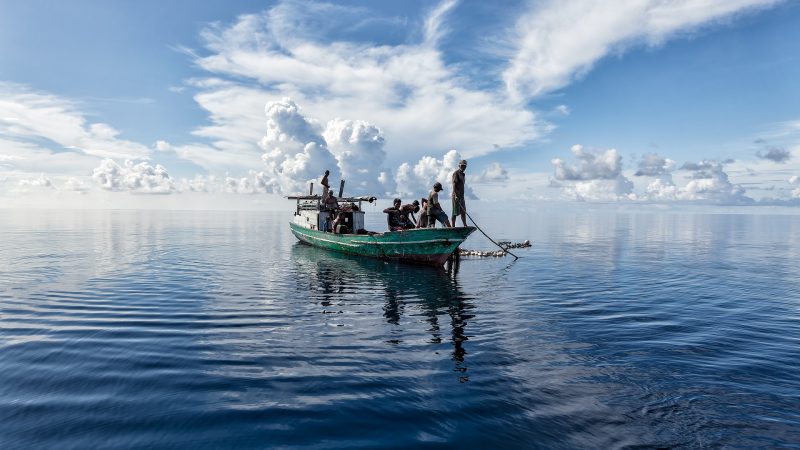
(407, 292)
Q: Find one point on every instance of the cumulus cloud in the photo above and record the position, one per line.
(698, 166)
(619, 188)
(417, 180)
(163, 146)
(596, 176)
(794, 180)
(140, 178)
(421, 103)
(713, 184)
(76, 185)
(495, 173)
(358, 148)
(253, 183)
(653, 165)
(708, 182)
(295, 152)
(592, 164)
(39, 182)
(556, 42)
(775, 154)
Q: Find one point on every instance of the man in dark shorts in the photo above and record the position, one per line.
(459, 204)
(435, 211)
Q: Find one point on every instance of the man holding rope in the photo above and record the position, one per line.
(457, 193)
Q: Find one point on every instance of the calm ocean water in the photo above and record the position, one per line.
(213, 329)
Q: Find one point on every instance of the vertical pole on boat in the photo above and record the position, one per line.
(341, 188)
(311, 189)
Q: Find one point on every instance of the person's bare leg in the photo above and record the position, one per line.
(463, 218)
(453, 220)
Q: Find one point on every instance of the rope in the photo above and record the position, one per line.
(464, 209)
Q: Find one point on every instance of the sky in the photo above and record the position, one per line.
(236, 104)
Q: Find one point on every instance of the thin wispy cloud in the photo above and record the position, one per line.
(558, 42)
(29, 116)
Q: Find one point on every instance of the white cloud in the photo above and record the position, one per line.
(653, 164)
(420, 103)
(418, 180)
(139, 178)
(708, 183)
(27, 116)
(794, 180)
(253, 183)
(662, 189)
(358, 148)
(712, 183)
(75, 184)
(31, 157)
(39, 182)
(619, 188)
(163, 146)
(592, 164)
(495, 173)
(295, 152)
(557, 42)
(434, 23)
(562, 110)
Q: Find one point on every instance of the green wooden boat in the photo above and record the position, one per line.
(431, 246)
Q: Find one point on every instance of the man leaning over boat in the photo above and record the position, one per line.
(397, 215)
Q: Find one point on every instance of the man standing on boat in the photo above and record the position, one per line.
(459, 205)
(435, 211)
(325, 186)
(423, 214)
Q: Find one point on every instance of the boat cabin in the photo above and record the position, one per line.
(313, 214)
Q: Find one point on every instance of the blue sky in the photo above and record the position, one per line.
(548, 100)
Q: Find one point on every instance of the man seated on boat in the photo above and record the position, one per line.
(339, 226)
(435, 211)
(397, 218)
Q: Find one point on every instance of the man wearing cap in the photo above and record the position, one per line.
(457, 194)
(435, 211)
(409, 209)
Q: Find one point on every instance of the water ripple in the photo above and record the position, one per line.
(215, 330)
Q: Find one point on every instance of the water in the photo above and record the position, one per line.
(185, 329)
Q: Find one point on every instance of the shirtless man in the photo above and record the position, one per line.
(459, 203)
(435, 211)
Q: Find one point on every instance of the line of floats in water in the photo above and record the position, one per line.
(494, 253)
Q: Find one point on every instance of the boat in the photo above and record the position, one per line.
(313, 220)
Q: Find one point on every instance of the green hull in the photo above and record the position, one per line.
(430, 246)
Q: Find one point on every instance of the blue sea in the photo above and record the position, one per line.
(617, 329)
